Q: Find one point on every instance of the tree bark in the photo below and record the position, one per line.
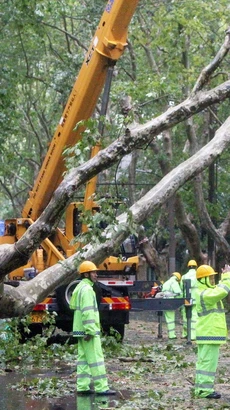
(13, 256)
(19, 300)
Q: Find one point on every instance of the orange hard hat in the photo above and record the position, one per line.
(87, 266)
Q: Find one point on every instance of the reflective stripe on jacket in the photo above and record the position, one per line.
(86, 316)
(211, 325)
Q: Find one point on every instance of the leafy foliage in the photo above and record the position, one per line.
(15, 353)
(169, 44)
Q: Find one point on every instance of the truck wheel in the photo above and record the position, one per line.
(63, 294)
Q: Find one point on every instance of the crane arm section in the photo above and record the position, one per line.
(105, 49)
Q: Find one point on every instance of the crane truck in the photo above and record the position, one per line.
(115, 275)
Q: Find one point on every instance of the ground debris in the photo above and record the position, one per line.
(135, 359)
(159, 374)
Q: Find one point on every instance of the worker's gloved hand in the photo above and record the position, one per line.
(159, 295)
(225, 276)
(168, 294)
(226, 269)
(87, 337)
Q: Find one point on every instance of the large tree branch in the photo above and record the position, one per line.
(31, 292)
(13, 256)
(210, 68)
(188, 229)
(224, 228)
(182, 173)
(206, 220)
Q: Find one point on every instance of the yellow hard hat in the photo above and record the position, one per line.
(205, 270)
(192, 262)
(177, 274)
(87, 266)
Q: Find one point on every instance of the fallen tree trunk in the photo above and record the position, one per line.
(13, 256)
(20, 300)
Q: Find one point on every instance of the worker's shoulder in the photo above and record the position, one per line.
(189, 275)
(85, 286)
(81, 286)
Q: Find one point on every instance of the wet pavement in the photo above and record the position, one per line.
(12, 399)
(17, 400)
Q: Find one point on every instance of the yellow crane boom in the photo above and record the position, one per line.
(106, 47)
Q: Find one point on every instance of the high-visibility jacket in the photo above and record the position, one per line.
(86, 316)
(191, 274)
(211, 325)
(172, 285)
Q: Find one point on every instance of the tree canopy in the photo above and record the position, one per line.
(168, 116)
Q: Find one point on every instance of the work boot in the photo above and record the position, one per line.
(213, 395)
(106, 393)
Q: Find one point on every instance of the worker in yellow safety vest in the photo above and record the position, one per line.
(171, 288)
(211, 328)
(86, 327)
